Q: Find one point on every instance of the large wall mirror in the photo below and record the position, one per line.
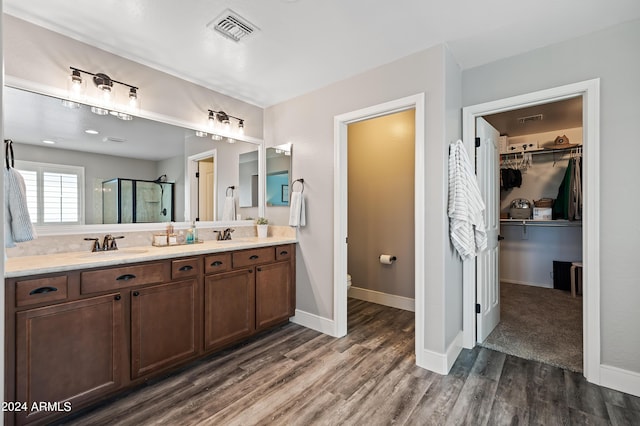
(133, 170)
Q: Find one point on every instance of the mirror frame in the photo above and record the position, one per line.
(55, 92)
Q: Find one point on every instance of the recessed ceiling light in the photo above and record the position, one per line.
(99, 111)
(91, 132)
(113, 139)
(47, 141)
(70, 104)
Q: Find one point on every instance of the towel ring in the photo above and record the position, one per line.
(8, 153)
(294, 183)
(230, 188)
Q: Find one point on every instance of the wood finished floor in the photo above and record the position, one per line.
(296, 376)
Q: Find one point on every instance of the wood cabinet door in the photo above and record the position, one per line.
(70, 352)
(274, 294)
(229, 307)
(164, 326)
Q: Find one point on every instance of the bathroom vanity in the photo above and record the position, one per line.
(83, 326)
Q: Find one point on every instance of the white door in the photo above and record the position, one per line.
(487, 268)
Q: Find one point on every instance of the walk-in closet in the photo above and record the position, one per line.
(541, 212)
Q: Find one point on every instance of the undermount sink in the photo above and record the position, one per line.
(114, 253)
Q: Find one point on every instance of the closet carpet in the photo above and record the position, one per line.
(539, 324)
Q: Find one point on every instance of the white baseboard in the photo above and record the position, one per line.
(315, 322)
(438, 362)
(385, 299)
(526, 283)
(621, 380)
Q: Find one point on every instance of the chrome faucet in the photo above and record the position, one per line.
(224, 235)
(108, 243)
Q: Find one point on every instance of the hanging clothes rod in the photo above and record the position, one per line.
(576, 149)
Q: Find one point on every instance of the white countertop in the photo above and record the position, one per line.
(62, 262)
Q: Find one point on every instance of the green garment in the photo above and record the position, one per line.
(561, 205)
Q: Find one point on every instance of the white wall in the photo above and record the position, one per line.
(612, 55)
(307, 122)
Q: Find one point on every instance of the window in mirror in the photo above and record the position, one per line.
(54, 194)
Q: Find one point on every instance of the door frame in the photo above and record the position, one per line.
(191, 202)
(340, 199)
(589, 90)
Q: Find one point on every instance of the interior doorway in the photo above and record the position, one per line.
(539, 150)
(341, 123)
(381, 220)
(475, 287)
(202, 177)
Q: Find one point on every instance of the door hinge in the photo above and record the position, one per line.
(477, 142)
(197, 175)
(478, 310)
(346, 240)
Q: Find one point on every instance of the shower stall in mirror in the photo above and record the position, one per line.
(137, 201)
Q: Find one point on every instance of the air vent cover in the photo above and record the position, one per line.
(232, 25)
(530, 118)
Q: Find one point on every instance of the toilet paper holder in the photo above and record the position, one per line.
(387, 259)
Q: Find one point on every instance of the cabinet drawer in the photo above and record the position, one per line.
(253, 257)
(117, 278)
(184, 268)
(217, 263)
(284, 252)
(50, 289)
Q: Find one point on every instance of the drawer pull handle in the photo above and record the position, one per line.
(283, 253)
(136, 293)
(250, 271)
(43, 290)
(259, 269)
(117, 297)
(125, 277)
(216, 263)
(254, 257)
(186, 268)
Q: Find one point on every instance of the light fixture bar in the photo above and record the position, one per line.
(100, 76)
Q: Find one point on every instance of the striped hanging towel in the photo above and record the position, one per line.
(466, 221)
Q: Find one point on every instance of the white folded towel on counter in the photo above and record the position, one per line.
(18, 226)
(296, 210)
(229, 208)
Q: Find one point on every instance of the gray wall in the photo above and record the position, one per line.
(307, 122)
(612, 55)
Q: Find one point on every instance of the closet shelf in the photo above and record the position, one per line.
(546, 223)
(542, 151)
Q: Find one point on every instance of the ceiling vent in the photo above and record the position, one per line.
(232, 25)
(529, 119)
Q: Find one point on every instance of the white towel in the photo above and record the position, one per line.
(229, 209)
(18, 226)
(466, 221)
(296, 210)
